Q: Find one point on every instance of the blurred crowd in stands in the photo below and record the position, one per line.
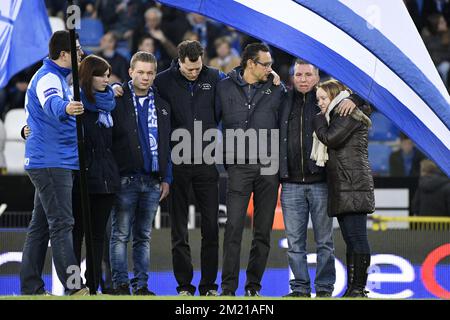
(116, 29)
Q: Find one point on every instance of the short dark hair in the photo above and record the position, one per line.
(145, 37)
(304, 62)
(143, 57)
(191, 49)
(251, 52)
(60, 41)
(91, 66)
(403, 136)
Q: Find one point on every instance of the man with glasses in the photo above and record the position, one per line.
(248, 101)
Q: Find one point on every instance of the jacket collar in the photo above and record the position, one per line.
(236, 76)
(52, 65)
(175, 69)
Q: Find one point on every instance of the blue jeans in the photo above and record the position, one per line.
(354, 231)
(135, 209)
(298, 202)
(51, 219)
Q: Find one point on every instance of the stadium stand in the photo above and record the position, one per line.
(15, 119)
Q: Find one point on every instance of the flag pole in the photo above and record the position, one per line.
(84, 196)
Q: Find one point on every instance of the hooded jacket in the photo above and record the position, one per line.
(244, 106)
(432, 197)
(349, 178)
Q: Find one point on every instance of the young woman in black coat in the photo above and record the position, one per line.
(103, 177)
(342, 143)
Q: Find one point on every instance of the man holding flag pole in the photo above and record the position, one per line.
(51, 158)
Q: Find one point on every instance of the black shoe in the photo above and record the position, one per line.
(323, 294)
(227, 293)
(44, 293)
(357, 286)
(143, 292)
(296, 294)
(122, 290)
(252, 293)
(107, 291)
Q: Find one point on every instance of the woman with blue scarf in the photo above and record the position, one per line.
(102, 171)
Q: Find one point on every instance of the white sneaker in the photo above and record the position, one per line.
(184, 293)
(212, 293)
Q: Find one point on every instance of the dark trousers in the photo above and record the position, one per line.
(354, 231)
(242, 181)
(106, 283)
(204, 182)
(100, 206)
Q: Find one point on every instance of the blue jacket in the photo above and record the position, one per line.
(53, 139)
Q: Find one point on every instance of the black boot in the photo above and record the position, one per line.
(350, 271)
(358, 285)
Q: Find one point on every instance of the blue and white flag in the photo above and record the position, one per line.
(372, 46)
(24, 34)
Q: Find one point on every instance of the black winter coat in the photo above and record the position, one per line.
(127, 147)
(349, 178)
(190, 105)
(101, 168)
(296, 132)
(296, 137)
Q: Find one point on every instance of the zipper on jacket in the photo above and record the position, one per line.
(301, 135)
(106, 186)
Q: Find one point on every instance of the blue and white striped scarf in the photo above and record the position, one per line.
(152, 124)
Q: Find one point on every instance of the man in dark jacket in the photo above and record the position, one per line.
(304, 189)
(190, 88)
(141, 134)
(405, 162)
(249, 102)
(432, 197)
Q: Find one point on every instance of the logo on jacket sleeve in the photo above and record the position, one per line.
(164, 112)
(268, 91)
(50, 91)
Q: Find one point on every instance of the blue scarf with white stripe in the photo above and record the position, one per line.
(104, 104)
(152, 125)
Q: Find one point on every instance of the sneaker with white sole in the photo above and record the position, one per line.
(212, 293)
(185, 293)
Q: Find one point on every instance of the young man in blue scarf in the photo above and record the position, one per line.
(141, 135)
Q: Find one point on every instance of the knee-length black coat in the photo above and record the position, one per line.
(349, 178)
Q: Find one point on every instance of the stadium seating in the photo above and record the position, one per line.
(14, 152)
(382, 129)
(379, 158)
(91, 32)
(124, 52)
